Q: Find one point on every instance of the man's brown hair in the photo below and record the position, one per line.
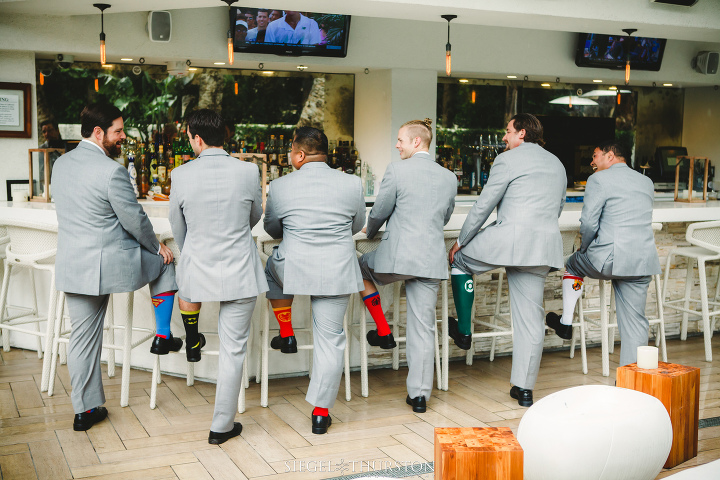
(532, 126)
(420, 128)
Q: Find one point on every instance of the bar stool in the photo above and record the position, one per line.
(705, 240)
(364, 245)
(31, 246)
(169, 241)
(607, 322)
(265, 248)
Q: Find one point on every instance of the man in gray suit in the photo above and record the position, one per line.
(106, 244)
(617, 244)
(527, 185)
(316, 211)
(417, 198)
(219, 261)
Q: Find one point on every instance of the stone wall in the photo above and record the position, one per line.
(672, 235)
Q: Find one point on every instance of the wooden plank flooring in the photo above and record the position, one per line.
(381, 431)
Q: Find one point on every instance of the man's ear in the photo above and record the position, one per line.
(521, 133)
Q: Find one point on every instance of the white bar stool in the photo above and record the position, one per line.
(705, 240)
(265, 247)
(31, 246)
(169, 241)
(607, 322)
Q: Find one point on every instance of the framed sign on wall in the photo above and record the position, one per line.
(15, 115)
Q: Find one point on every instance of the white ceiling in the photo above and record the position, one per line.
(699, 23)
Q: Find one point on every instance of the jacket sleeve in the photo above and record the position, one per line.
(273, 225)
(451, 205)
(256, 210)
(131, 215)
(593, 205)
(384, 202)
(176, 216)
(492, 193)
(359, 217)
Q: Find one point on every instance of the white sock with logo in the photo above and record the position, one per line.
(572, 287)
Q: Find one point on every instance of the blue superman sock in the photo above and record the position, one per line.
(163, 304)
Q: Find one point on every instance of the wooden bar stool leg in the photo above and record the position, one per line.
(583, 339)
(445, 336)
(264, 367)
(688, 289)
(707, 331)
(396, 325)
(52, 334)
(110, 325)
(498, 297)
(155, 381)
(125, 382)
(470, 353)
(3, 308)
(604, 330)
(612, 321)
(346, 353)
(52, 357)
(33, 294)
(263, 312)
(364, 386)
(661, 317)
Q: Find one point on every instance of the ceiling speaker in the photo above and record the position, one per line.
(159, 26)
(681, 3)
(706, 62)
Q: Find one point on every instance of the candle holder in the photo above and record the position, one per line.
(692, 171)
(40, 162)
(647, 358)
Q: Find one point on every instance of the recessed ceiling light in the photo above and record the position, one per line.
(613, 88)
(107, 65)
(219, 63)
(301, 67)
(597, 81)
(545, 84)
(512, 76)
(667, 84)
(126, 59)
(267, 72)
(192, 69)
(463, 80)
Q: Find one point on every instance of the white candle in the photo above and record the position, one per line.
(647, 357)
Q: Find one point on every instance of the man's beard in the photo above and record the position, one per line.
(113, 149)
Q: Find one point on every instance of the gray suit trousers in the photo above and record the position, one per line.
(87, 315)
(526, 286)
(630, 299)
(329, 340)
(233, 331)
(420, 329)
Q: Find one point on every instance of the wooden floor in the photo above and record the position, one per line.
(37, 440)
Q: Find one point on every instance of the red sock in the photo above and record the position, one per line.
(323, 412)
(284, 318)
(372, 302)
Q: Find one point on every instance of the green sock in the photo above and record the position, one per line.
(190, 321)
(463, 290)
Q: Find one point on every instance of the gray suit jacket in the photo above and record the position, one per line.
(101, 226)
(316, 210)
(616, 222)
(528, 185)
(416, 198)
(215, 202)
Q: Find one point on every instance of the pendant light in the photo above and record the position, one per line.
(102, 7)
(628, 48)
(230, 48)
(448, 58)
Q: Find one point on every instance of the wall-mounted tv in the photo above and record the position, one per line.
(285, 32)
(609, 51)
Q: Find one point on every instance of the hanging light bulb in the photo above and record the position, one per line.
(628, 49)
(236, 88)
(102, 7)
(97, 85)
(448, 56)
(42, 79)
(230, 48)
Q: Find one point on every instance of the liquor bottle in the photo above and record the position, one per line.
(457, 169)
(282, 156)
(165, 186)
(355, 155)
(187, 151)
(132, 172)
(273, 158)
(152, 161)
(162, 165)
(144, 186)
(178, 152)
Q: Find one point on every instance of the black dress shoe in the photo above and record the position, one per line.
(383, 341)
(193, 353)
(217, 438)
(284, 344)
(563, 331)
(523, 396)
(163, 346)
(83, 421)
(320, 424)
(462, 341)
(418, 403)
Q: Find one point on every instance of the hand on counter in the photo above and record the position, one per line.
(451, 256)
(166, 254)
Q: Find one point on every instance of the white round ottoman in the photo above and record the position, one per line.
(595, 432)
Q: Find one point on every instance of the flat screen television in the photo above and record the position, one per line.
(609, 51)
(284, 32)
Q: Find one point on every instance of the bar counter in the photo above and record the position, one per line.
(673, 216)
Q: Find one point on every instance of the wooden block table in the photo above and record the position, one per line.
(477, 454)
(678, 388)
